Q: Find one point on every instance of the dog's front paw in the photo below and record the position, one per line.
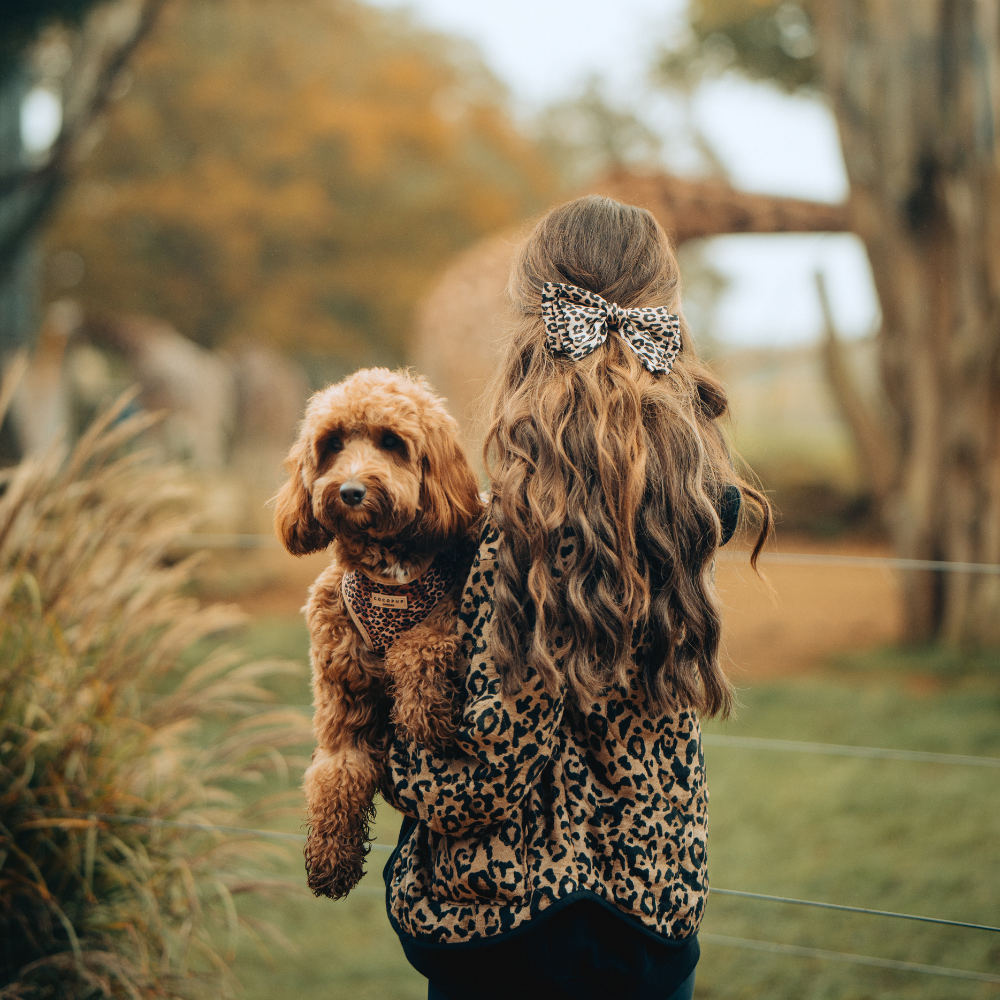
(340, 787)
(334, 866)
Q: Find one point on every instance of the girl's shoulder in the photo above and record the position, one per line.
(479, 583)
(491, 536)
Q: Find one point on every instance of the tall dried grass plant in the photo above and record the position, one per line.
(99, 716)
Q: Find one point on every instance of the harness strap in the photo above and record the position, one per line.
(381, 612)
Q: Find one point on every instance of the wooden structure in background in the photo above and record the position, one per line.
(690, 209)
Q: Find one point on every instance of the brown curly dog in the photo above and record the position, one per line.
(377, 471)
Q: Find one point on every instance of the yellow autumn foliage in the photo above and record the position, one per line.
(294, 171)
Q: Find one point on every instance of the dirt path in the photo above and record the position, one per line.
(814, 611)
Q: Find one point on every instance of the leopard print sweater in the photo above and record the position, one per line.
(536, 802)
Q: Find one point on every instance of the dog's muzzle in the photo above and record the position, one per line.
(352, 493)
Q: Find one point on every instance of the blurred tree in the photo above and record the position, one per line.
(74, 51)
(587, 135)
(22, 23)
(62, 58)
(916, 91)
(296, 172)
(770, 40)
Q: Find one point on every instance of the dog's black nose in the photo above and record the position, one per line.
(352, 493)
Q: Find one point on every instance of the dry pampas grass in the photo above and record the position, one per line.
(99, 716)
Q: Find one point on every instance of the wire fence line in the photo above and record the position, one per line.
(853, 909)
(829, 749)
(864, 562)
(772, 947)
(846, 750)
(181, 825)
(260, 541)
(300, 838)
(798, 951)
(776, 948)
(251, 541)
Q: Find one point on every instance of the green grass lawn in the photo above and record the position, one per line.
(919, 838)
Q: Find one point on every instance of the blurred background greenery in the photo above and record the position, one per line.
(294, 173)
(253, 188)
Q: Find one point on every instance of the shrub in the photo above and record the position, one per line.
(99, 717)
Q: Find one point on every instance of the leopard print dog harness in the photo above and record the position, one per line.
(382, 612)
(577, 322)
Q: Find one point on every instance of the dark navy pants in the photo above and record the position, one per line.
(683, 992)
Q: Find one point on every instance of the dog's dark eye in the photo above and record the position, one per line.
(390, 442)
(333, 445)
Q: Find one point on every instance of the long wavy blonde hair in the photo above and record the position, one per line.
(628, 465)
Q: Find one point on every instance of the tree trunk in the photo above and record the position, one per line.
(28, 193)
(916, 91)
(18, 269)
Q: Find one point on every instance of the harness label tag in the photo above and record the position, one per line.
(389, 600)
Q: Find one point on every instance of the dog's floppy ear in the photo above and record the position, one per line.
(449, 494)
(294, 522)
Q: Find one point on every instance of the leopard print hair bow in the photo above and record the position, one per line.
(577, 322)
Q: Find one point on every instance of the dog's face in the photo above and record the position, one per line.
(377, 456)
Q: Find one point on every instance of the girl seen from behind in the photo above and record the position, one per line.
(558, 848)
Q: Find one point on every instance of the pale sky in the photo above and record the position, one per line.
(544, 50)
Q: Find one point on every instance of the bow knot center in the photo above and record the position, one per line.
(616, 316)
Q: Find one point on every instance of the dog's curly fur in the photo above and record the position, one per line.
(390, 433)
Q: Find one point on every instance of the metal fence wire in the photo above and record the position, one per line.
(250, 541)
(719, 939)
